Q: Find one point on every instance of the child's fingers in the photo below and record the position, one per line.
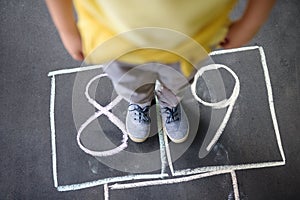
(78, 56)
(224, 42)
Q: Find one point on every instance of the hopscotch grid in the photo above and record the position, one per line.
(273, 116)
(88, 184)
(199, 171)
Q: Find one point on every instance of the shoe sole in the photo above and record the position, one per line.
(137, 140)
(177, 141)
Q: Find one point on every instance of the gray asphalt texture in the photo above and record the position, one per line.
(30, 48)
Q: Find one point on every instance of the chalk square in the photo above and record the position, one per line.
(259, 145)
(179, 172)
(72, 168)
(212, 186)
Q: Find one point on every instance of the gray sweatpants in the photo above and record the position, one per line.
(138, 83)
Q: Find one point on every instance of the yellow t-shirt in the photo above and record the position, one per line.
(138, 31)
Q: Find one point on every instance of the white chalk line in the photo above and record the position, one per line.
(162, 152)
(221, 104)
(167, 148)
(79, 186)
(274, 119)
(205, 172)
(198, 170)
(231, 100)
(235, 185)
(52, 127)
(119, 186)
(162, 143)
(169, 158)
(91, 67)
(225, 51)
(221, 128)
(106, 192)
(97, 153)
(73, 70)
(271, 102)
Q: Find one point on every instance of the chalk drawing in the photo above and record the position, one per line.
(118, 186)
(167, 181)
(52, 124)
(79, 186)
(185, 172)
(74, 70)
(164, 138)
(271, 101)
(162, 143)
(188, 174)
(222, 104)
(106, 193)
(103, 110)
(235, 185)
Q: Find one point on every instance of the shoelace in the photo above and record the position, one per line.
(172, 114)
(143, 113)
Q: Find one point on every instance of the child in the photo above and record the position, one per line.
(134, 74)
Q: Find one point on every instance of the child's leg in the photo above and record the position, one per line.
(136, 84)
(133, 82)
(174, 83)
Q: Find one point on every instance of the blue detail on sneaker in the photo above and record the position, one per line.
(172, 114)
(138, 122)
(175, 123)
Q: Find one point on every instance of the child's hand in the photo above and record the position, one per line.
(72, 43)
(238, 35)
(244, 29)
(64, 20)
